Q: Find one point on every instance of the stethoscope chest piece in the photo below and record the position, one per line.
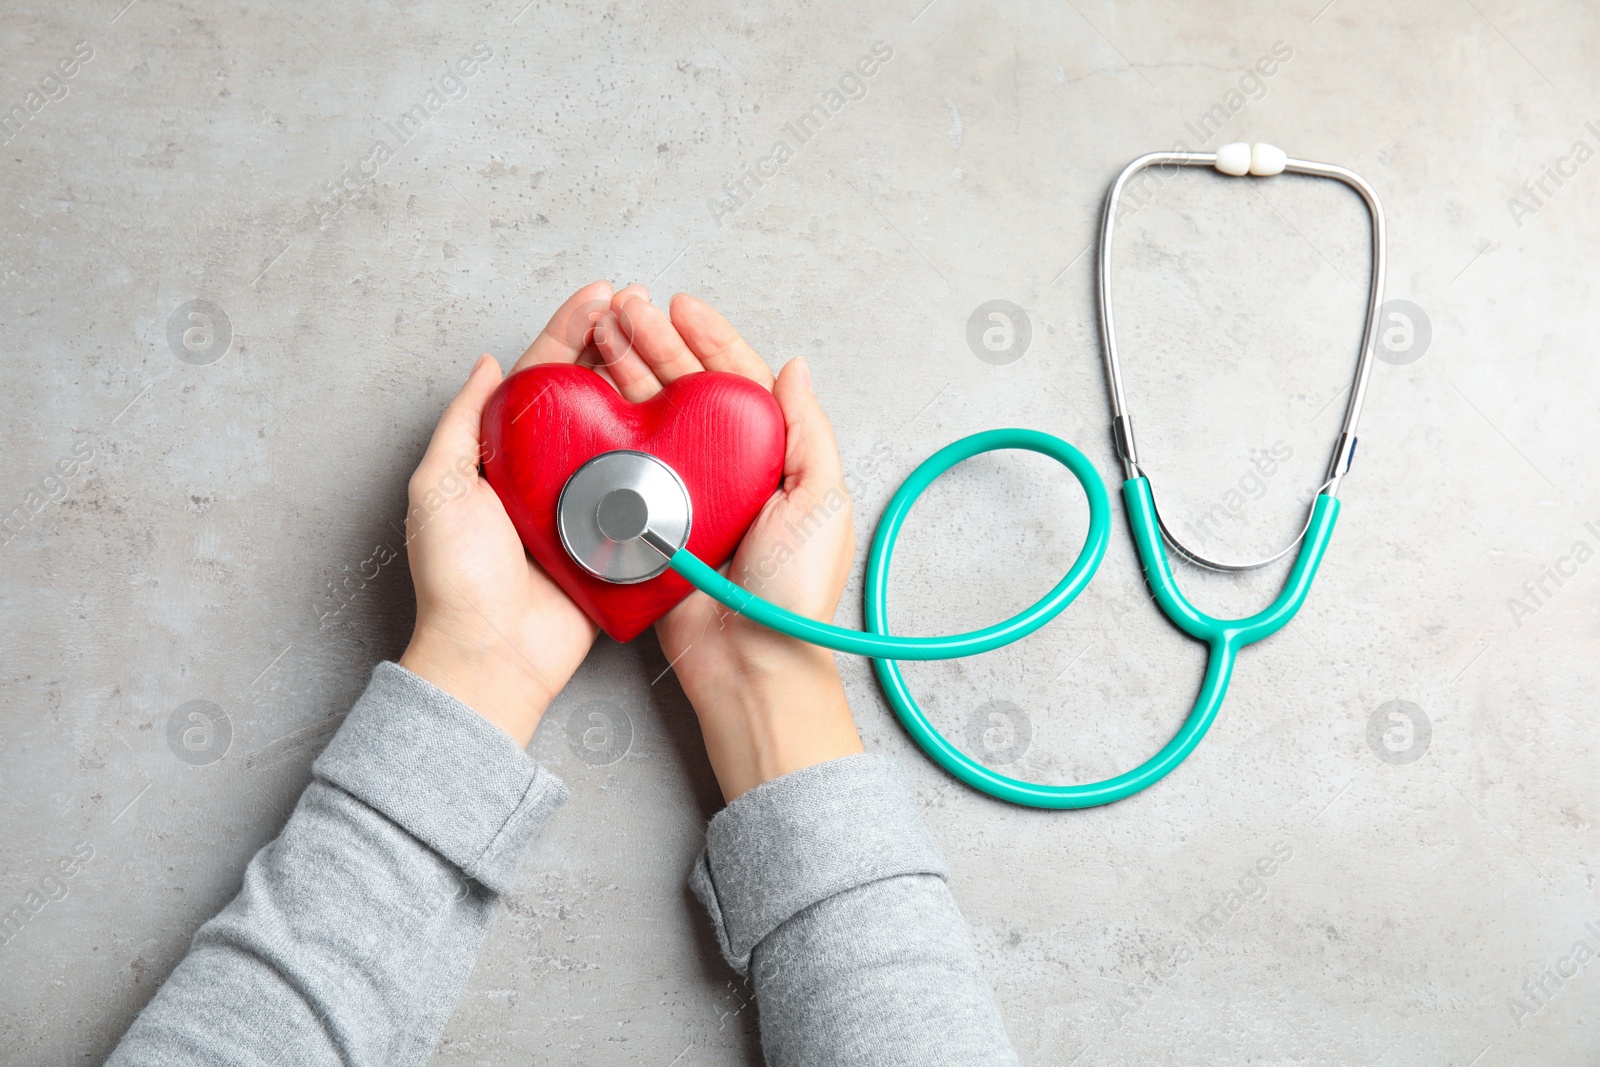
(607, 506)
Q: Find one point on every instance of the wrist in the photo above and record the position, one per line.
(503, 689)
(767, 715)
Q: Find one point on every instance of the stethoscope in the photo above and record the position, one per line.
(625, 516)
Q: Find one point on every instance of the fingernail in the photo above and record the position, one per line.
(805, 373)
(478, 365)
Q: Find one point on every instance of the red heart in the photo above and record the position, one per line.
(723, 434)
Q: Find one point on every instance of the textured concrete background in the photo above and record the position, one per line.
(207, 508)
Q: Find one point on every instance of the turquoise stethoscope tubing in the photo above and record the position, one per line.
(876, 642)
(1224, 638)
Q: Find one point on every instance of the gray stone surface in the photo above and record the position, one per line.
(225, 540)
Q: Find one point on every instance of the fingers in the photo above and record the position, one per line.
(638, 346)
(455, 439)
(811, 457)
(654, 337)
(621, 360)
(570, 329)
(628, 292)
(715, 342)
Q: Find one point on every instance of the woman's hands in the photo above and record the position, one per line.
(493, 630)
(767, 704)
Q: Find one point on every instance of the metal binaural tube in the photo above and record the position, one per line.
(1121, 421)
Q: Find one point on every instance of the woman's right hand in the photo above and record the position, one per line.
(493, 630)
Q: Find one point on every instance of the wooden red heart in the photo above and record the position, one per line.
(723, 434)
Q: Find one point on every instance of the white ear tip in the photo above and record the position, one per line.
(1234, 158)
(1266, 159)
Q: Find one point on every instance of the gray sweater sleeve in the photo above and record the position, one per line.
(828, 892)
(355, 931)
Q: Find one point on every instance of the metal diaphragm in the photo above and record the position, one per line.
(608, 504)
